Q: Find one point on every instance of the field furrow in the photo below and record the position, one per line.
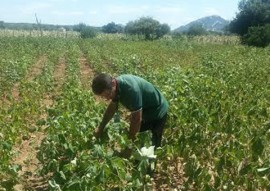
(216, 136)
(30, 177)
(86, 73)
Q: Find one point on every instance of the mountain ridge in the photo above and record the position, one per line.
(213, 23)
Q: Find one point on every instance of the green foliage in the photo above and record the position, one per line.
(85, 31)
(112, 28)
(162, 30)
(88, 32)
(218, 122)
(34, 26)
(196, 30)
(15, 116)
(253, 13)
(257, 36)
(72, 154)
(218, 106)
(79, 27)
(148, 27)
(2, 25)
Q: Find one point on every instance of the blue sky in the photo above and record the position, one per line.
(101, 12)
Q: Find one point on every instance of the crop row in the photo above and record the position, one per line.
(219, 105)
(218, 120)
(27, 70)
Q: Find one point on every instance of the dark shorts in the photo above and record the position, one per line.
(156, 127)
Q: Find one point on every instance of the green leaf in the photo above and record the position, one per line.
(257, 146)
(62, 175)
(53, 184)
(263, 169)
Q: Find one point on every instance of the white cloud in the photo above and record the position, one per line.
(164, 14)
(171, 15)
(145, 9)
(63, 13)
(211, 11)
(35, 7)
(76, 13)
(92, 12)
(169, 10)
(127, 9)
(63, 1)
(58, 13)
(172, 12)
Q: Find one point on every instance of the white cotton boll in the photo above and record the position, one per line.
(148, 152)
(74, 161)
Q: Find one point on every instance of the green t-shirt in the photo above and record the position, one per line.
(135, 93)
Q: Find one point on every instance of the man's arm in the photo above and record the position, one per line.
(135, 124)
(108, 115)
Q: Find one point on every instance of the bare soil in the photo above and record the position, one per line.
(168, 176)
(27, 150)
(36, 69)
(86, 72)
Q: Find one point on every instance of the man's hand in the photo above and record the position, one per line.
(108, 115)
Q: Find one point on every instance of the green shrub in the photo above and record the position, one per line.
(196, 30)
(88, 32)
(257, 36)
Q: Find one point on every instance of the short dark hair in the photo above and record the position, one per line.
(101, 82)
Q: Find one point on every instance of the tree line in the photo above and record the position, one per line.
(145, 27)
(251, 23)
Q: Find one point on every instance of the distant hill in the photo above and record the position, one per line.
(211, 23)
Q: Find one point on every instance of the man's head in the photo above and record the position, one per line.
(104, 85)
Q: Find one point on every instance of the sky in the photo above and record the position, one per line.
(98, 13)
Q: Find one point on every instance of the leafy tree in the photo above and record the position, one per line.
(112, 28)
(2, 26)
(131, 28)
(88, 32)
(162, 30)
(252, 13)
(148, 27)
(79, 27)
(85, 31)
(257, 36)
(196, 30)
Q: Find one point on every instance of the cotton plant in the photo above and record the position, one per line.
(147, 153)
(146, 158)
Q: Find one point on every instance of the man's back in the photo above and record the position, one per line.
(135, 93)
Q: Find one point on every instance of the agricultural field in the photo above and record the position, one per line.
(38, 33)
(217, 136)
